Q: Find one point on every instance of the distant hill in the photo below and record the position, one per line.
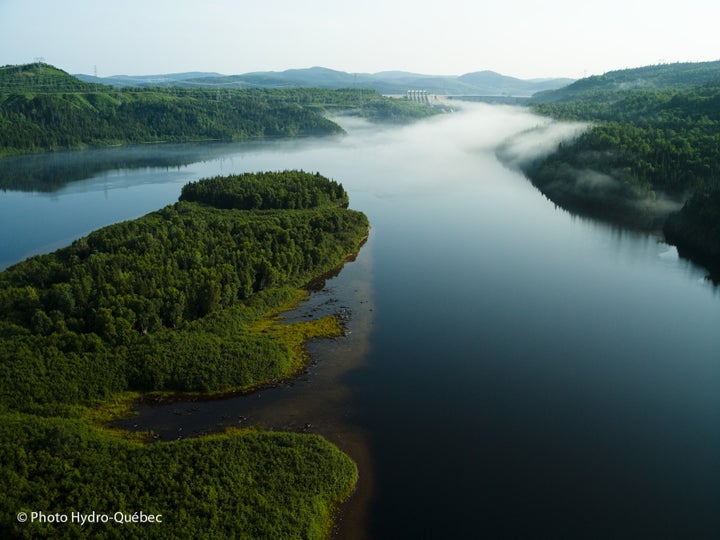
(680, 75)
(147, 80)
(38, 78)
(481, 83)
(44, 108)
(497, 84)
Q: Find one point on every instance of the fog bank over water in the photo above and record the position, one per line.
(567, 183)
(427, 154)
(526, 146)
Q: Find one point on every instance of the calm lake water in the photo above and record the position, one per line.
(513, 371)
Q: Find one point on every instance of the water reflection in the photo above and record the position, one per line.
(51, 172)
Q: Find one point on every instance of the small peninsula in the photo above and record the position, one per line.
(182, 300)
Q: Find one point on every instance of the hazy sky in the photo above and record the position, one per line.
(522, 38)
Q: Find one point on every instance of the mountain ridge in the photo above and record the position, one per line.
(478, 83)
(676, 75)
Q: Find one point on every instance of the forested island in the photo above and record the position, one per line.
(650, 156)
(185, 300)
(43, 108)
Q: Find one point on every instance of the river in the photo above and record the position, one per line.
(512, 371)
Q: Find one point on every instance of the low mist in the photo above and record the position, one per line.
(614, 194)
(526, 147)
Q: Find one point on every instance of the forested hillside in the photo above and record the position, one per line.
(178, 300)
(43, 108)
(611, 85)
(646, 152)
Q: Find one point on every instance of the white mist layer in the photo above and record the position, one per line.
(538, 141)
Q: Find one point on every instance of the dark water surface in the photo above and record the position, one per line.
(512, 372)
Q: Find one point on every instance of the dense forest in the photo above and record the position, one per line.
(43, 108)
(649, 150)
(180, 300)
(263, 191)
(251, 484)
